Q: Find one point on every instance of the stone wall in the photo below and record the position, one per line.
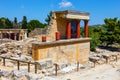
(57, 23)
(61, 25)
(15, 34)
(37, 31)
(71, 50)
(49, 30)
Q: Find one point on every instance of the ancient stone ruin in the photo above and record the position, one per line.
(64, 42)
(58, 49)
(14, 34)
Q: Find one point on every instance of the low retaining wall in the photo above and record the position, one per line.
(70, 50)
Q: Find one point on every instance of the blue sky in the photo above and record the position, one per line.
(38, 9)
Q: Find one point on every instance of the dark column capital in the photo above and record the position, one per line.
(15, 36)
(9, 35)
(78, 29)
(86, 28)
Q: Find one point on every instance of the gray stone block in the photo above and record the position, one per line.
(41, 64)
(49, 63)
(45, 63)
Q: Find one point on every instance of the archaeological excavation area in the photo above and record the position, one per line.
(61, 53)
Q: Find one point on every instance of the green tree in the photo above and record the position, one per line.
(15, 23)
(2, 23)
(5, 23)
(94, 34)
(9, 24)
(34, 24)
(24, 22)
(15, 20)
(48, 17)
(111, 33)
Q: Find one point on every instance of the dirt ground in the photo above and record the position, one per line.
(110, 71)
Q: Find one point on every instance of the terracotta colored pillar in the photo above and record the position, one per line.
(78, 29)
(86, 28)
(9, 35)
(43, 38)
(15, 37)
(69, 30)
(4, 35)
(57, 36)
(1, 35)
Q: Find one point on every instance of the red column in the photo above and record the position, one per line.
(57, 36)
(78, 29)
(86, 28)
(6, 35)
(15, 37)
(9, 35)
(43, 38)
(68, 30)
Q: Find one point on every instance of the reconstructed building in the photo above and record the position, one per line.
(67, 43)
(15, 34)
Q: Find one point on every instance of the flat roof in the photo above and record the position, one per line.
(73, 12)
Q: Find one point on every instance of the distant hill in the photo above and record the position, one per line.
(97, 25)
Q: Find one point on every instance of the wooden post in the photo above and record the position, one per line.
(56, 69)
(18, 65)
(116, 58)
(95, 63)
(28, 66)
(15, 36)
(77, 65)
(107, 59)
(9, 35)
(3, 61)
(35, 67)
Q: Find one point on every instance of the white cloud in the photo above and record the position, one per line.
(65, 4)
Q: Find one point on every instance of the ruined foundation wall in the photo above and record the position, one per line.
(52, 28)
(57, 23)
(65, 50)
(61, 25)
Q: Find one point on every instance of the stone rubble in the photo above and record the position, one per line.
(45, 63)
(69, 68)
(17, 50)
(18, 75)
(6, 73)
